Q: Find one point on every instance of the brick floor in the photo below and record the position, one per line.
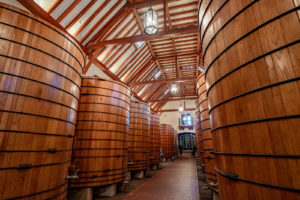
(176, 181)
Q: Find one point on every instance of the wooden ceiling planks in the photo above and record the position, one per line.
(175, 51)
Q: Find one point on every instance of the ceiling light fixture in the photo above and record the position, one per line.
(150, 21)
(174, 89)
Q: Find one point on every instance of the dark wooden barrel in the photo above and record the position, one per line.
(166, 140)
(199, 141)
(206, 136)
(40, 77)
(251, 55)
(139, 136)
(100, 150)
(154, 138)
(175, 141)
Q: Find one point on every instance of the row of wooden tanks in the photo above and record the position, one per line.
(52, 118)
(249, 92)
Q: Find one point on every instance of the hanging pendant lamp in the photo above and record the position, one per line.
(150, 22)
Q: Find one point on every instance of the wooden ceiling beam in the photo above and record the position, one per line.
(143, 4)
(144, 62)
(102, 67)
(140, 24)
(67, 11)
(174, 99)
(154, 91)
(179, 55)
(159, 93)
(37, 10)
(132, 59)
(141, 71)
(119, 56)
(91, 17)
(136, 67)
(114, 47)
(160, 105)
(106, 15)
(82, 12)
(161, 34)
(178, 80)
(176, 110)
(54, 6)
(107, 28)
(146, 93)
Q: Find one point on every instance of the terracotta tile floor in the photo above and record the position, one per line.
(176, 181)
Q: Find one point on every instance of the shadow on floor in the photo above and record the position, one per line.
(131, 186)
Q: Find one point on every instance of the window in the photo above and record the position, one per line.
(186, 119)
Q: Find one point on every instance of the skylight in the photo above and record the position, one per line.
(139, 44)
(200, 69)
(188, 67)
(157, 75)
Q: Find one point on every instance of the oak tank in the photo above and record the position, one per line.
(166, 140)
(40, 77)
(139, 136)
(101, 145)
(154, 138)
(251, 54)
(206, 137)
(198, 137)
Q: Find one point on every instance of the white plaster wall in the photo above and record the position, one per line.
(93, 70)
(14, 3)
(172, 117)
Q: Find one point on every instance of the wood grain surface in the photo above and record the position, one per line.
(40, 77)
(154, 138)
(251, 55)
(139, 136)
(101, 136)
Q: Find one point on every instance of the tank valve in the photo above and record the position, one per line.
(73, 176)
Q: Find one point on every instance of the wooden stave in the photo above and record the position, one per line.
(207, 144)
(252, 93)
(139, 137)
(175, 148)
(198, 137)
(155, 138)
(102, 133)
(64, 121)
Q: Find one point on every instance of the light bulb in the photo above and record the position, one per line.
(180, 109)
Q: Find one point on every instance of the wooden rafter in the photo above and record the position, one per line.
(37, 10)
(67, 11)
(174, 99)
(179, 80)
(124, 11)
(141, 71)
(82, 12)
(54, 6)
(86, 35)
(161, 34)
(130, 62)
(93, 15)
(175, 46)
(140, 24)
